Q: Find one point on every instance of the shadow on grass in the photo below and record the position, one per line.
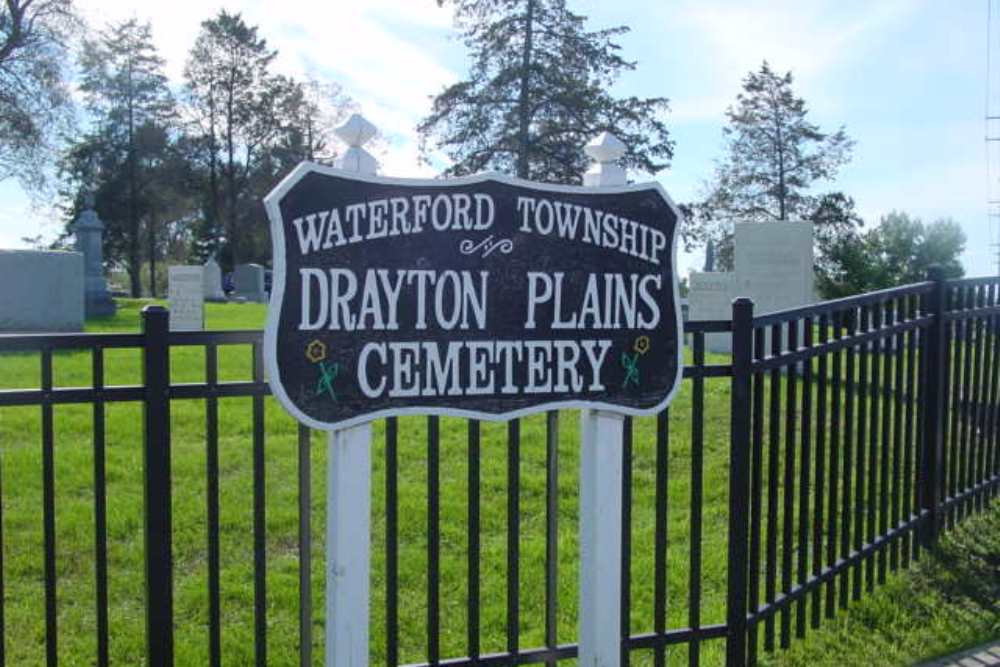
(946, 602)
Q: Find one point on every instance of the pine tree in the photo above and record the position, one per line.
(126, 93)
(537, 92)
(774, 158)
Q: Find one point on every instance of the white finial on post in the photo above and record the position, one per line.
(601, 467)
(348, 491)
(605, 150)
(356, 132)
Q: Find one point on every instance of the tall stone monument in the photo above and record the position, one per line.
(89, 229)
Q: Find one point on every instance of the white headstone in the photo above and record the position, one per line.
(187, 302)
(212, 283)
(774, 264)
(710, 297)
(248, 280)
(774, 267)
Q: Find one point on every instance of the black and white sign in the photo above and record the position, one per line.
(484, 297)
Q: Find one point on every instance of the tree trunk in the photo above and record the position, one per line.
(524, 118)
(133, 222)
(213, 169)
(231, 236)
(152, 257)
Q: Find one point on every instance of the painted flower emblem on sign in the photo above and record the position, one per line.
(316, 351)
(641, 344)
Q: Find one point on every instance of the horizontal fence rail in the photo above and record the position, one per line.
(785, 482)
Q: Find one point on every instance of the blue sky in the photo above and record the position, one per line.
(907, 78)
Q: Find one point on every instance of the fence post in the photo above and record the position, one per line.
(348, 490)
(601, 485)
(739, 482)
(934, 352)
(156, 487)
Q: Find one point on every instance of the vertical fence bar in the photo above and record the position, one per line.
(884, 346)
(513, 535)
(953, 415)
(805, 462)
(551, 531)
(935, 394)
(212, 498)
(697, 467)
(392, 541)
(660, 549)
(472, 604)
(965, 406)
(156, 488)
(788, 506)
(305, 547)
(100, 510)
(832, 506)
(873, 395)
(626, 546)
(910, 437)
(756, 493)
(864, 393)
(739, 487)
(977, 397)
(993, 331)
(259, 523)
(49, 513)
(773, 436)
(433, 539)
(850, 393)
(897, 429)
(820, 476)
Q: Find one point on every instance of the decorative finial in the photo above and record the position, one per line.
(606, 150)
(356, 132)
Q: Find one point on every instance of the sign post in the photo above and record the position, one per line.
(484, 297)
(601, 482)
(348, 490)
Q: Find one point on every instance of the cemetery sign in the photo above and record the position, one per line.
(485, 297)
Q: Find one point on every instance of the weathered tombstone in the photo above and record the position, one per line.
(710, 297)
(187, 301)
(41, 291)
(89, 229)
(212, 281)
(248, 281)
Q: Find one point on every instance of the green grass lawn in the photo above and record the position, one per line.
(948, 602)
(20, 473)
(20, 437)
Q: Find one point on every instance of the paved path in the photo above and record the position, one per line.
(987, 654)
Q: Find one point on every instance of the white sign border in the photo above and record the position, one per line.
(271, 204)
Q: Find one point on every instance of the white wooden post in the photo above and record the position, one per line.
(601, 484)
(348, 491)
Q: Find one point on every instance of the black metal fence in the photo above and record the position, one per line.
(833, 446)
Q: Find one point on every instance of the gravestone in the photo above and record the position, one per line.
(710, 297)
(187, 301)
(41, 291)
(212, 281)
(774, 267)
(89, 229)
(774, 264)
(248, 279)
